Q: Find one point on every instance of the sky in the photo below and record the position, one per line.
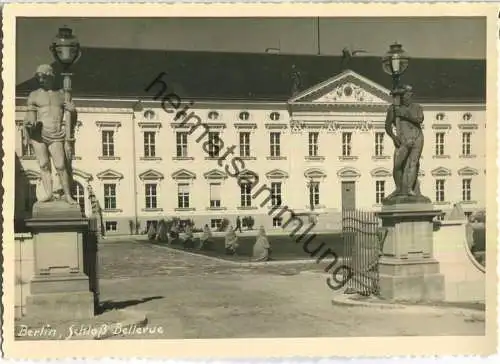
(421, 37)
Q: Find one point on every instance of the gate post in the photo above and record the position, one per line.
(407, 268)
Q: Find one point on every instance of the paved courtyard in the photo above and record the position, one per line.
(195, 297)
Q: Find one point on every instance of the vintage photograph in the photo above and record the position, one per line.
(249, 177)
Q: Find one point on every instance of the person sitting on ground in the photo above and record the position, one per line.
(231, 241)
(261, 248)
(206, 239)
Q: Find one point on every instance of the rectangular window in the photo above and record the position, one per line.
(276, 193)
(313, 144)
(466, 189)
(440, 190)
(149, 144)
(111, 225)
(151, 198)
(109, 196)
(244, 144)
(466, 150)
(346, 144)
(379, 144)
(27, 149)
(215, 195)
(379, 191)
(277, 221)
(245, 194)
(275, 144)
(213, 144)
(440, 143)
(30, 198)
(183, 196)
(314, 193)
(108, 143)
(181, 140)
(215, 223)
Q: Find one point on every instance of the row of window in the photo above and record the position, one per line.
(214, 115)
(215, 199)
(214, 144)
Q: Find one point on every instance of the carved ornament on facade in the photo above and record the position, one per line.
(364, 126)
(296, 126)
(349, 93)
(331, 127)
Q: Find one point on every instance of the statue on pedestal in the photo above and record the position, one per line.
(403, 124)
(49, 125)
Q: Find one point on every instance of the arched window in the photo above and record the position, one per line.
(213, 115)
(149, 114)
(244, 115)
(440, 116)
(274, 116)
(79, 195)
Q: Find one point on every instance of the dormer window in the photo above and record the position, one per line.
(244, 115)
(149, 114)
(213, 115)
(467, 116)
(440, 116)
(274, 116)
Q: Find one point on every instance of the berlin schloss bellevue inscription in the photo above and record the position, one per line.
(403, 124)
(49, 126)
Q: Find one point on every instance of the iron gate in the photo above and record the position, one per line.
(363, 240)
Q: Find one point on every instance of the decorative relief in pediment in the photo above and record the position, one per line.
(348, 93)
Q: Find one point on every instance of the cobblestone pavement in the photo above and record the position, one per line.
(194, 297)
(129, 258)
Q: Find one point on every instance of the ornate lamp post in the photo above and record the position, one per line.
(395, 62)
(66, 50)
(407, 269)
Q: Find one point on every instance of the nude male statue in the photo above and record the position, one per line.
(407, 120)
(49, 134)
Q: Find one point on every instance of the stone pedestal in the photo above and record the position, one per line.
(407, 269)
(59, 286)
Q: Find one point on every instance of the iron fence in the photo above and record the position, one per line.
(362, 249)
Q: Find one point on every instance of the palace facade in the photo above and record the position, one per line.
(239, 134)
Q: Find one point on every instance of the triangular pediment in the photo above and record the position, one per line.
(183, 174)
(109, 174)
(345, 88)
(314, 173)
(348, 172)
(468, 171)
(151, 174)
(380, 172)
(441, 172)
(277, 173)
(215, 174)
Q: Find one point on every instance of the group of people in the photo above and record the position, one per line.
(261, 249)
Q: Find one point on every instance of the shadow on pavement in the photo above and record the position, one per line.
(116, 305)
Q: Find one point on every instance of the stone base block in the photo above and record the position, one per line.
(61, 306)
(411, 281)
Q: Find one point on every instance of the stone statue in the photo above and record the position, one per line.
(261, 248)
(406, 120)
(50, 132)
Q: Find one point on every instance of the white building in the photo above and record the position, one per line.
(309, 130)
